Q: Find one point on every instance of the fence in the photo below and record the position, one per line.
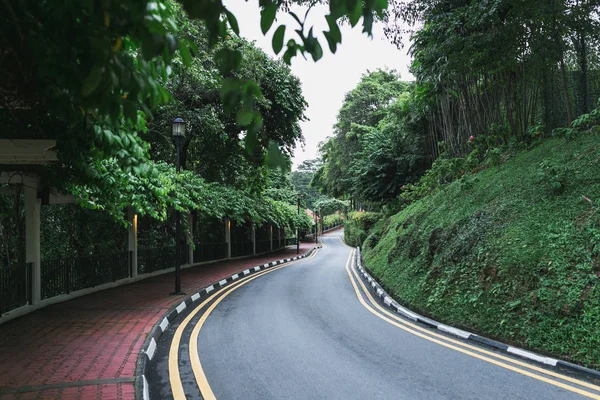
(210, 251)
(63, 276)
(239, 249)
(155, 259)
(15, 286)
(70, 274)
(262, 246)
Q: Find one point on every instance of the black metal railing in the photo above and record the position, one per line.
(70, 274)
(210, 251)
(278, 243)
(239, 249)
(291, 241)
(156, 259)
(15, 286)
(262, 246)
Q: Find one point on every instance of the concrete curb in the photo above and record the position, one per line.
(151, 342)
(405, 312)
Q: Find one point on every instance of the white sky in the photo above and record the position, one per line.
(324, 83)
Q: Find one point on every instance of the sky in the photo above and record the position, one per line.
(324, 83)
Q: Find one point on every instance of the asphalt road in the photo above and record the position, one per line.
(309, 331)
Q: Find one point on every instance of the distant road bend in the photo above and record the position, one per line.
(311, 330)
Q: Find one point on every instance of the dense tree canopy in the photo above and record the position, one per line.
(82, 73)
(215, 146)
(302, 178)
(377, 146)
(489, 75)
(502, 69)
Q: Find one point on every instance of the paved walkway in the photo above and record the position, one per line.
(87, 348)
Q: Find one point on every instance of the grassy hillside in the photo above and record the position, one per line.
(512, 252)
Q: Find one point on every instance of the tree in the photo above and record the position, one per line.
(81, 74)
(503, 70)
(378, 144)
(92, 75)
(302, 177)
(215, 146)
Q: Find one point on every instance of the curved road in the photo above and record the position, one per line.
(310, 330)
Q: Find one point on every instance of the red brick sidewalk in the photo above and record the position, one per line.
(87, 348)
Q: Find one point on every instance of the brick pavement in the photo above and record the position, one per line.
(87, 348)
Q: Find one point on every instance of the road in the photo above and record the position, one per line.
(310, 330)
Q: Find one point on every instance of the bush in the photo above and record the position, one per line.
(358, 227)
(333, 219)
(553, 176)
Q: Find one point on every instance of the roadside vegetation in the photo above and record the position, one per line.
(109, 93)
(475, 190)
(512, 251)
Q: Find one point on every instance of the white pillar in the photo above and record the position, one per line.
(32, 240)
(132, 232)
(253, 238)
(228, 236)
(190, 238)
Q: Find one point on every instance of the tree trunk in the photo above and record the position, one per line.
(565, 90)
(584, 72)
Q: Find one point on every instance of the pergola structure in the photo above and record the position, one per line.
(22, 152)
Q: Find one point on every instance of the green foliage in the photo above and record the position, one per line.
(358, 225)
(378, 144)
(553, 176)
(443, 172)
(12, 227)
(185, 192)
(216, 146)
(500, 253)
(585, 124)
(81, 74)
(327, 206)
(476, 76)
(333, 219)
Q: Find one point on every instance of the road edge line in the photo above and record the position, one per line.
(146, 354)
(546, 361)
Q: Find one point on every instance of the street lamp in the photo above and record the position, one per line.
(178, 132)
(298, 226)
(316, 228)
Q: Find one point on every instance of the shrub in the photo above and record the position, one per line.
(553, 176)
(358, 226)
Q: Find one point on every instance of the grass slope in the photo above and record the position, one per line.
(506, 252)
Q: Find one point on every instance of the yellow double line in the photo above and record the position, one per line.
(203, 385)
(473, 351)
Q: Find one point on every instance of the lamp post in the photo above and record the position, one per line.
(178, 132)
(298, 226)
(316, 228)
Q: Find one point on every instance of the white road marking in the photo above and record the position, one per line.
(151, 349)
(454, 331)
(532, 356)
(164, 324)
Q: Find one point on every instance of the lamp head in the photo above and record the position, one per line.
(178, 127)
